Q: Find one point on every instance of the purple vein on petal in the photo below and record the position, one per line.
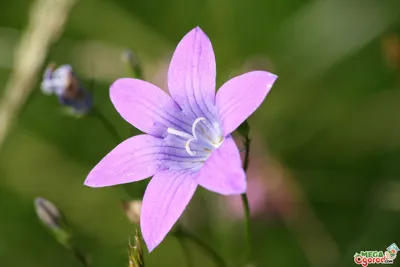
(195, 77)
(161, 115)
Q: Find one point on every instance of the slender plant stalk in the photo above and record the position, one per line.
(133, 65)
(246, 208)
(134, 69)
(245, 201)
(80, 257)
(182, 234)
(95, 112)
(186, 251)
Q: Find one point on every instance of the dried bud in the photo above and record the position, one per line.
(135, 251)
(53, 220)
(132, 210)
(64, 84)
(132, 63)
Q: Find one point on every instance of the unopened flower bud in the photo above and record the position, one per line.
(48, 213)
(135, 251)
(53, 220)
(64, 84)
(132, 210)
(132, 64)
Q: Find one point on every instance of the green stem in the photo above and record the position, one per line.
(128, 191)
(245, 201)
(135, 72)
(80, 257)
(133, 65)
(95, 112)
(134, 69)
(186, 251)
(180, 232)
(247, 224)
(247, 142)
(107, 124)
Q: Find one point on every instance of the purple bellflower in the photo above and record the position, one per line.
(64, 84)
(188, 134)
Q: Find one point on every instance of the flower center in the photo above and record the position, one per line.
(204, 137)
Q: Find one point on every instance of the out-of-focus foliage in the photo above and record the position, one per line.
(332, 121)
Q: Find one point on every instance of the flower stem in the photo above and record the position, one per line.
(95, 112)
(184, 234)
(246, 208)
(245, 200)
(80, 257)
(133, 64)
(107, 124)
(186, 251)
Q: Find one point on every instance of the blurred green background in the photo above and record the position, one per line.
(328, 133)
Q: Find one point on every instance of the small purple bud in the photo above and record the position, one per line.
(48, 213)
(53, 220)
(65, 85)
(127, 56)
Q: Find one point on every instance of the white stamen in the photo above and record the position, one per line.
(195, 124)
(206, 141)
(179, 133)
(187, 147)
